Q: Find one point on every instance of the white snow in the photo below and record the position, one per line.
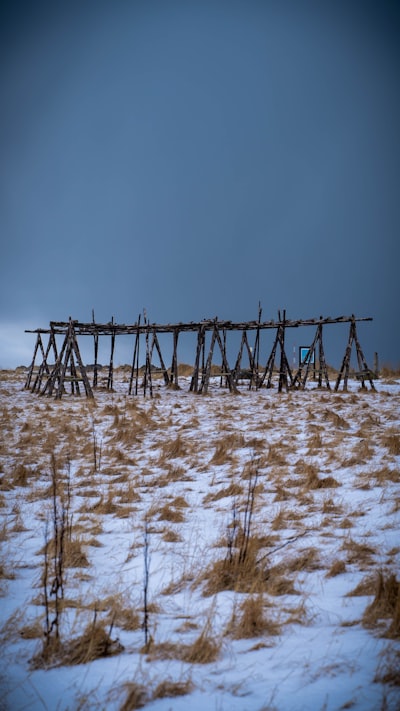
(323, 656)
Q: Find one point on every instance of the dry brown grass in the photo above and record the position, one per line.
(127, 434)
(166, 513)
(125, 617)
(74, 554)
(281, 493)
(224, 449)
(204, 650)
(337, 568)
(173, 473)
(396, 504)
(252, 621)
(391, 440)
(278, 584)
(363, 451)
(106, 506)
(94, 643)
(359, 554)
(329, 506)
(179, 502)
(276, 455)
(4, 532)
(172, 449)
(231, 490)
(5, 572)
(298, 615)
(365, 587)
(32, 630)
(22, 475)
(119, 611)
(169, 689)
(315, 443)
(346, 523)
(279, 521)
(310, 478)
(335, 419)
(388, 671)
(316, 482)
(386, 474)
(18, 525)
(119, 457)
(137, 696)
(306, 560)
(385, 605)
(286, 518)
(170, 536)
(242, 573)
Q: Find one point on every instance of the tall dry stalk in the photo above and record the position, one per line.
(248, 512)
(146, 576)
(240, 569)
(231, 532)
(53, 582)
(97, 447)
(54, 570)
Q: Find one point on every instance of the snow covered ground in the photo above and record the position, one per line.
(266, 522)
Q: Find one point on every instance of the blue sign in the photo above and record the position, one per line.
(305, 357)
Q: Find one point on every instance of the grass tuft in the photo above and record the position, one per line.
(385, 605)
(237, 573)
(169, 689)
(392, 443)
(137, 696)
(388, 671)
(94, 643)
(204, 650)
(252, 620)
(337, 568)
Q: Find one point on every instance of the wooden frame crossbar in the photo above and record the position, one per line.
(110, 328)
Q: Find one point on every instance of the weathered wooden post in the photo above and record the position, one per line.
(344, 369)
(256, 353)
(147, 375)
(135, 360)
(44, 369)
(284, 369)
(58, 375)
(174, 364)
(205, 378)
(365, 373)
(96, 350)
(238, 363)
(225, 364)
(194, 383)
(110, 379)
(38, 345)
(269, 368)
(323, 370)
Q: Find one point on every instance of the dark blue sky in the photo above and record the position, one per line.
(195, 158)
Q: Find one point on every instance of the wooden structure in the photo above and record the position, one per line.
(69, 369)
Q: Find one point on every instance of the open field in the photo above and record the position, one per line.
(222, 552)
